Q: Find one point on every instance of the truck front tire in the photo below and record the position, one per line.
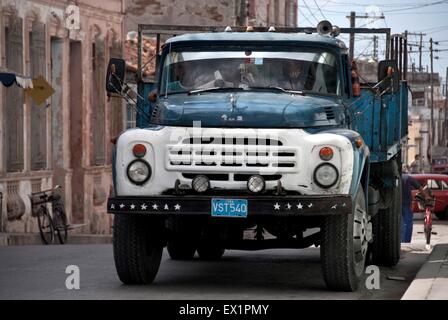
(386, 244)
(344, 246)
(138, 247)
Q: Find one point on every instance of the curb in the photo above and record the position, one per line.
(431, 282)
(24, 239)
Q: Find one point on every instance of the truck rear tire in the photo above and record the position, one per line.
(344, 246)
(181, 248)
(210, 251)
(137, 248)
(386, 244)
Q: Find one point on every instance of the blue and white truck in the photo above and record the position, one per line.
(256, 139)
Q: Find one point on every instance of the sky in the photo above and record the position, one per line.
(415, 16)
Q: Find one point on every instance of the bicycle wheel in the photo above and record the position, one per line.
(46, 228)
(60, 224)
(428, 226)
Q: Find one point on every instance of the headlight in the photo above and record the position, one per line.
(139, 171)
(256, 183)
(326, 175)
(200, 183)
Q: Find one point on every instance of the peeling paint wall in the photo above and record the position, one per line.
(68, 138)
(209, 13)
(196, 12)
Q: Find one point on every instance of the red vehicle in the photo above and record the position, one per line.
(438, 183)
(440, 165)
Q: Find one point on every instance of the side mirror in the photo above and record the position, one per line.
(388, 76)
(115, 75)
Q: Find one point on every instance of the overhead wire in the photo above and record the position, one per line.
(306, 18)
(309, 10)
(323, 16)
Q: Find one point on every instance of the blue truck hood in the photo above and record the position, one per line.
(250, 109)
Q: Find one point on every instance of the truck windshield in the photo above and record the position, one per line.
(308, 71)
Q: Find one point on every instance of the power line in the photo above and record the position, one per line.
(319, 9)
(419, 6)
(309, 10)
(433, 28)
(399, 8)
(364, 50)
(401, 4)
(306, 18)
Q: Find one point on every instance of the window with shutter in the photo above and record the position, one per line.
(98, 104)
(14, 96)
(38, 112)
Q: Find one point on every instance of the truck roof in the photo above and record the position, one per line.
(258, 36)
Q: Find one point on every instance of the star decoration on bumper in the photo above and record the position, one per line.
(278, 205)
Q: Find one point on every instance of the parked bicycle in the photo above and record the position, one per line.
(50, 224)
(426, 205)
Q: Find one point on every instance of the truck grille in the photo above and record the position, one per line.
(232, 154)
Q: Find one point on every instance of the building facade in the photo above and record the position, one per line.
(66, 140)
(211, 12)
(419, 138)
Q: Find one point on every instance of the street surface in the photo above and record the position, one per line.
(38, 272)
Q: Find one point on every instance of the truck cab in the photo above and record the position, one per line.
(249, 141)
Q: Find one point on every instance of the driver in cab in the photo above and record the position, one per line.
(296, 76)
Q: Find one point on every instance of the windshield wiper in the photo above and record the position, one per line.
(279, 89)
(214, 89)
(247, 88)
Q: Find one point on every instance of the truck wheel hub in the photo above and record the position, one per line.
(362, 233)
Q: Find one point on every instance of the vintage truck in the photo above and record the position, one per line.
(255, 139)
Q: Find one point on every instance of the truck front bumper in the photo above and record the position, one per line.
(317, 205)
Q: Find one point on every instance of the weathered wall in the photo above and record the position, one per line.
(211, 12)
(75, 155)
(179, 12)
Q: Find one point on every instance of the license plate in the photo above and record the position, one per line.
(229, 208)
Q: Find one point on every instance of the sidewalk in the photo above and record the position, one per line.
(14, 239)
(431, 282)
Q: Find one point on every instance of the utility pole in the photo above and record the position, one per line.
(420, 48)
(353, 18)
(375, 48)
(352, 35)
(431, 141)
(445, 115)
(420, 53)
